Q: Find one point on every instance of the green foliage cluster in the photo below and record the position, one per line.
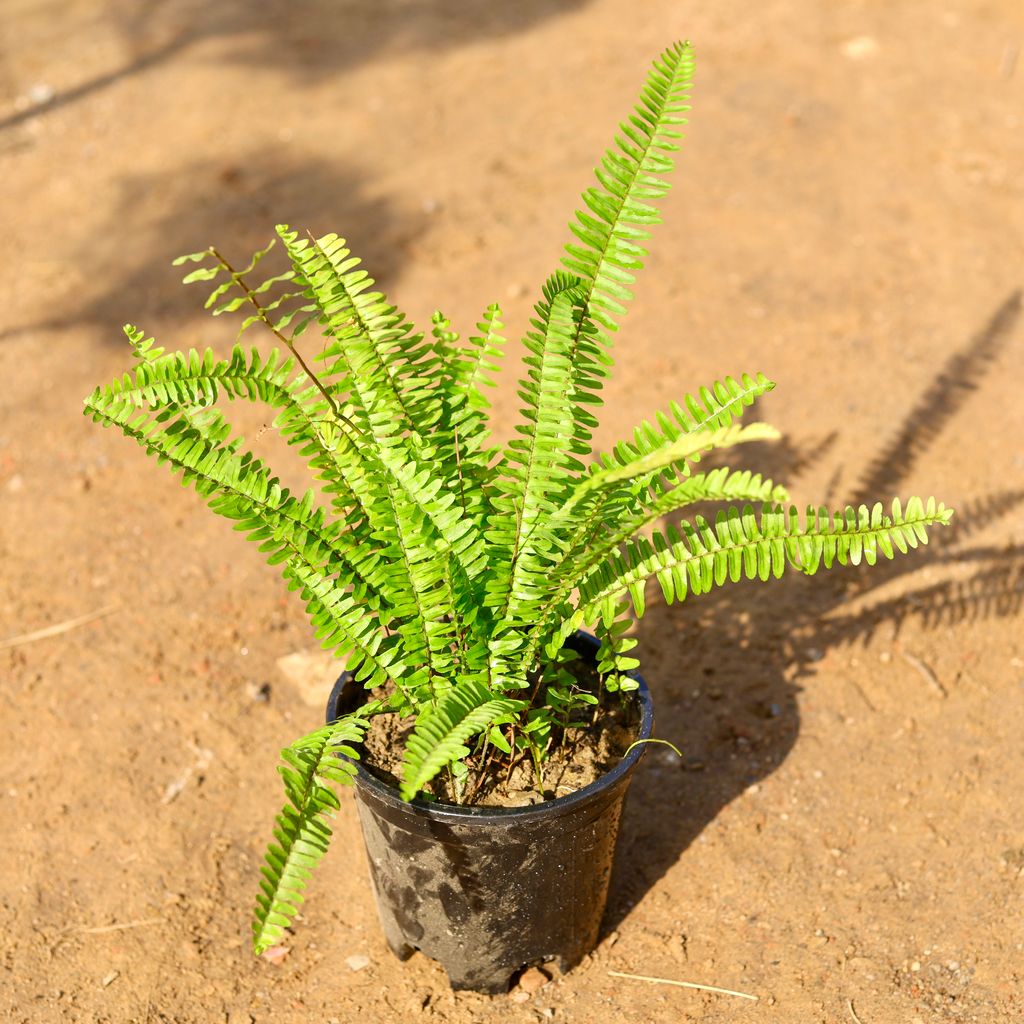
(442, 565)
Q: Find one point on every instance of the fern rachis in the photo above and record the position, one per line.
(449, 572)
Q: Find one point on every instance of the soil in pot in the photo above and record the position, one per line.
(576, 759)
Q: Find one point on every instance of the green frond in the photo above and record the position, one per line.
(711, 409)
(385, 366)
(302, 833)
(741, 544)
(286, 305)
(538, 466)
(144, 349)
(290, 531)
(463, 429)
(620, 211)
(483, 359)
(614, 662)
(621, 207)
(441, 732)
(673, 453)
(612, 521)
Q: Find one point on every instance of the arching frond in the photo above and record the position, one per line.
(301, 834)
(742, 544)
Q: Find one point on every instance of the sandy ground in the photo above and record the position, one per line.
(845, 839)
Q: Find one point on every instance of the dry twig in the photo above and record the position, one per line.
(104, 928)
(925, 672)
(683, 984)
(56, 630)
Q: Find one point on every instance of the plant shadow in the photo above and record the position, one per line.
(311, 42)
(233, 204)
(726, 670)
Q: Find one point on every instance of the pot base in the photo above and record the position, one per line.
(497, 983)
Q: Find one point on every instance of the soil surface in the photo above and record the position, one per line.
(844, 838)
(575, 757)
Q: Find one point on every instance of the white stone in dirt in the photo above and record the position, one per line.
(357, 963)
(860, 48)
(312, 672)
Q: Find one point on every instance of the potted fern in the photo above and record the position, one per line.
(456, 576)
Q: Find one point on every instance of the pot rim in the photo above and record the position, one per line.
(459, 814)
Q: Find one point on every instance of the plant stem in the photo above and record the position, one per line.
(281, 336)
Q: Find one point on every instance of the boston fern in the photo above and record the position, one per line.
(449, 571)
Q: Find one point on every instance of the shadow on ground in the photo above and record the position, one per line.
(316, 40)
(728, 698)
(231, 204)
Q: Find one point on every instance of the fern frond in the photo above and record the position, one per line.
(290, 531)
(537, 466)
(711, 409)
(483, 359)
(144, 349)
(671, 453)
(286, 306)
(385, 366)
(463, 429)
(441, 732)
(621, 207)
(620, 212)
(658, 457)
(741, 544)
(612, 521)
(301, 831)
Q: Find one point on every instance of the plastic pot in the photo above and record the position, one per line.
(486, 891)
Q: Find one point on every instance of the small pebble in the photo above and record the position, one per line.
(41, 93)
(357, 963)
(860, 48)
(522, 798)
(532, 980)
(276, 954)
(259, 692)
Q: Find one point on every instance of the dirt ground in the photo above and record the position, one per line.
(845, 836)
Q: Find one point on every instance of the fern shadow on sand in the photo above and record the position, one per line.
(730, 699)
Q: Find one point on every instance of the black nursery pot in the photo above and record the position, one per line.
(486, 891)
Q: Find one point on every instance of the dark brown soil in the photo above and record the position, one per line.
(575, 758)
